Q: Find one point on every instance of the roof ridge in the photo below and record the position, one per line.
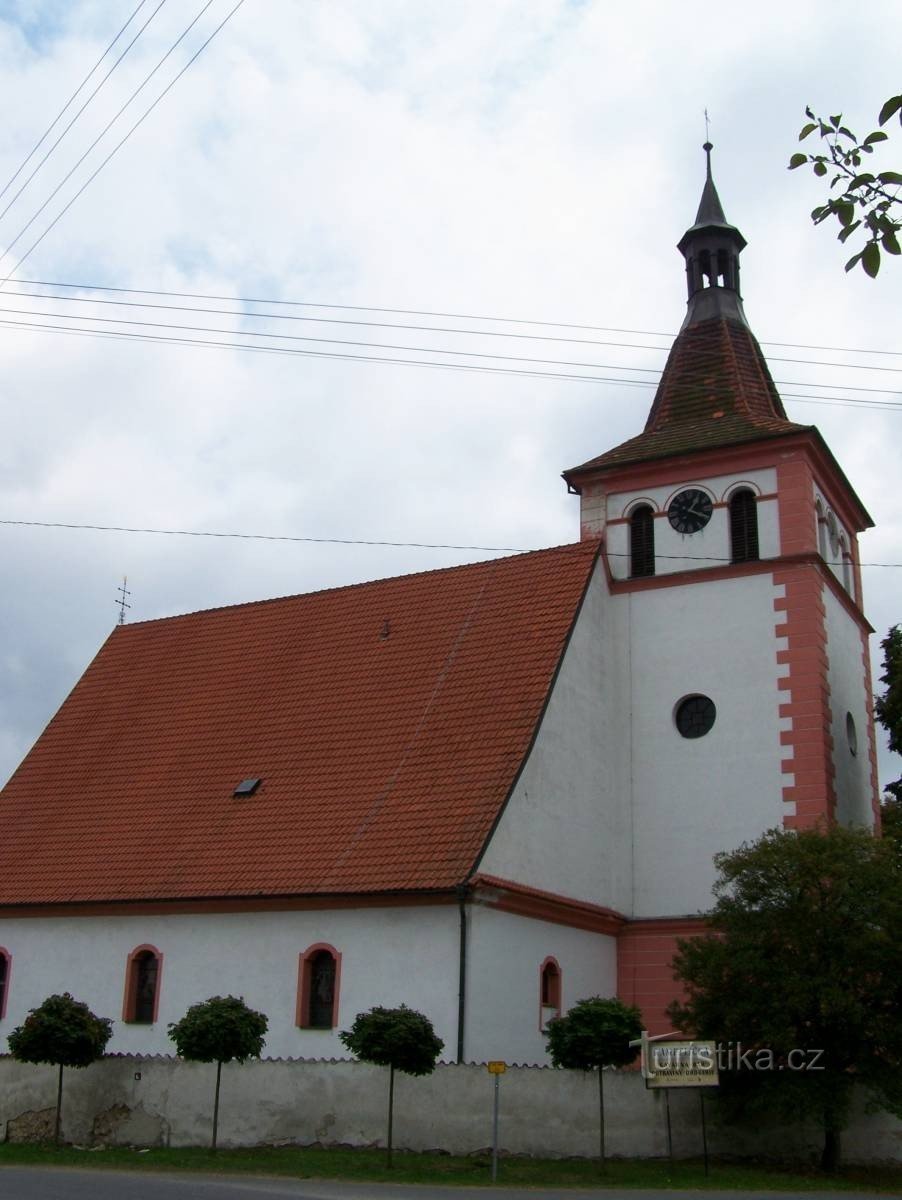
(346, 587)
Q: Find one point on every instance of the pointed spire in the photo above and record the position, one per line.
(711, 248)
(716, 389)
(710, 210)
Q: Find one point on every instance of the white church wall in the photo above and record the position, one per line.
(567, 825)
(390, 955)
(132, 1101)
(848, 698)
(505, 955)
(679, 552)
(697, 796)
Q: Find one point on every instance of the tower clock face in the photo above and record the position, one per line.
(690, 511)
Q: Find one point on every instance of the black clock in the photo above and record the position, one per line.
(690, 511)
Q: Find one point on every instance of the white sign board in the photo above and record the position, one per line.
(667, 1064)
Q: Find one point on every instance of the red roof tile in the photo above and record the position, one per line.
(385, 760)
(716, 390)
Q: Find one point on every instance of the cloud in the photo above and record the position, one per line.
(533, 159)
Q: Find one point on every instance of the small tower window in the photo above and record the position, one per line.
(851, 734)
(549, 991)
(4, 980)
(142, 986)
(642, 541)
(846, 565)
(318, 972)
(743, 526)
(821, 529)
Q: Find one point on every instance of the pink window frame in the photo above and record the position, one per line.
(302, 1009)
(550, 961)
(8, 959)
(131, 983)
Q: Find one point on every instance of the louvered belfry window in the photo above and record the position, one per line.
(743, 526)
(642, 541)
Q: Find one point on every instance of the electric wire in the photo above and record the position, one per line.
(108, 125)
(256, 316)
(844, 402)
(68, 127)
(413, 312)
(532, 373)
(121, 143)
(28, 157)
(333, 541)
(413, 349)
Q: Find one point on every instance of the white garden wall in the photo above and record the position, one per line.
(130, 1100)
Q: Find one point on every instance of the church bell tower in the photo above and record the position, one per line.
(730, 539)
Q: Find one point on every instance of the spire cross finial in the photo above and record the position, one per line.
(707, 127)
(123, 592)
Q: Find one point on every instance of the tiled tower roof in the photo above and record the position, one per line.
(716, 389)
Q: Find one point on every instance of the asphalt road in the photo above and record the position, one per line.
(56, 1183)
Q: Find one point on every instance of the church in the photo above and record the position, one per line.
(485, 792)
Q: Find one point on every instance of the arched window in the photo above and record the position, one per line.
(846, 564)
(821, 529)
(142, 986)
(743, 526)
(5, 962)
(642, 541)
(319, 972)
(549, 991)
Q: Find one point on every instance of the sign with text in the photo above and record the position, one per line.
(667, 1064)
(496, 1068)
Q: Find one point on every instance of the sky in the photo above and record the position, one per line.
(534, 160)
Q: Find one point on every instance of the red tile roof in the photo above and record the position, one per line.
(716, 390)
(385, 760)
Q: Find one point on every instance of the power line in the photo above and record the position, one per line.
(106, 127)
(260, 537)
(413, 312)
(293, 337)
(68, 127)
(166, 339)
(331, 541)
(121, 143)
(258, 316)
(59, 115)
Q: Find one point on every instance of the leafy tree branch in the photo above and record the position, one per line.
(868, 202)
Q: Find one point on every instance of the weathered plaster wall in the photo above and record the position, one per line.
(567, 826)
(134, 1101)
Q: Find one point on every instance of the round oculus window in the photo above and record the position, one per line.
(851, 734)
(695, 716)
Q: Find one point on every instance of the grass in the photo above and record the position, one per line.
(342, 1163)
